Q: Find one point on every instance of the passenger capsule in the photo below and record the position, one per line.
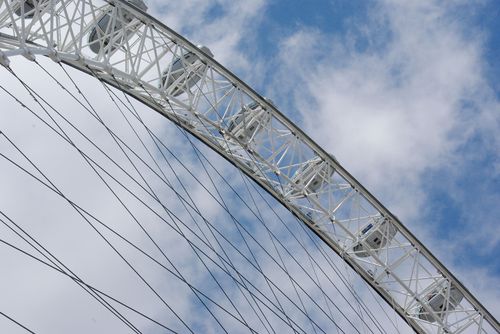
(250, 120)
(437, 301)
(311, 176)
(184, 73)
(374, 236)
(28, 7)
(100, 36)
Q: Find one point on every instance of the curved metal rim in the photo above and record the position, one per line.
(79, 62)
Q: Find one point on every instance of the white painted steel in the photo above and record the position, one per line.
(137, 53)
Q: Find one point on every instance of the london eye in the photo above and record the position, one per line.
(177, 177)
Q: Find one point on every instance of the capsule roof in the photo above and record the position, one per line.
(139, 4)
(206, 50)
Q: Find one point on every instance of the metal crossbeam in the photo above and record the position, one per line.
(131, 50)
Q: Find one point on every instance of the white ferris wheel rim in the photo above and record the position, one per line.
(288, 179)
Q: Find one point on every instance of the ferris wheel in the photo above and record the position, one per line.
(128, 50)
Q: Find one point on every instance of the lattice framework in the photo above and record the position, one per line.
(136, 53)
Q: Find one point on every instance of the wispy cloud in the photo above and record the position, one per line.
(219, 24)
(397, 97)
(401, 98)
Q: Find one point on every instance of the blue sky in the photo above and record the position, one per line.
(419, 79)
(405, 94)
(462, 192)
(450, 197)
(363, 28)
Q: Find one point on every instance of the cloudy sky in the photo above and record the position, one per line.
(405, 94)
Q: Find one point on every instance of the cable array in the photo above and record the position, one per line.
(240, 258)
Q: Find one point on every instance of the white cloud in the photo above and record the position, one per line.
(57, 226)
(219, 24)
(378, 106)
(395, 108)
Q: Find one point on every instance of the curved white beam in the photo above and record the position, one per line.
(135, 53)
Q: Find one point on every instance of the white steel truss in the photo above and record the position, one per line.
(118, 43)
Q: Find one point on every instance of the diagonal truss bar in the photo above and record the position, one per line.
(136, 53)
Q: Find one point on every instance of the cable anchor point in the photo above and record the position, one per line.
(4, 60)
(54, 56)
(28, 54)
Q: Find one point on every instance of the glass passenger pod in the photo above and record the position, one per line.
(249, 121)
(310, 177)
(107, 22)
(440, 302)
(184, 73)
(28, 7)
(374, 236)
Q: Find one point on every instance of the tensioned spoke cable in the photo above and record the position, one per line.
(54, 130)
(155, 140)
(271, 237)
(284, 269)
(223, 206)
(226, 209)
(232, 245)
(79, 212)
(134, 246)
(160, 217)
(394, 321)
(90, 287)
(153, 160)
(167, 148)
(17, 323)
(345, 281)
(357, 301)
(332, 265)
(239, 230)
(293, 235)
(314, 263)
(116, 251)
(209, 102)
(182, 278)
(130, 107)
(63, 269)
(257, 217)
(98, 298)
(140, 250)
(271, 232)
(57, 263)
(208, 269)
(143, 228)
(261, 218)
(58, 192)
(321, 248)
(325, 254)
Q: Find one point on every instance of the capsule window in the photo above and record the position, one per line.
(184, 72)
(249, 121)
(367, 228)
(375, 237)
(28, 8)
(436, 299)
(100, 36)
